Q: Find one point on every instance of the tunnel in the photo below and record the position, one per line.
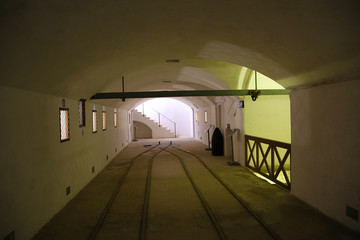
(280, 80)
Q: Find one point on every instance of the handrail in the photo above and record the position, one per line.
(257, 151)
(159, 115)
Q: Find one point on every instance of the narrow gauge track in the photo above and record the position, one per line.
(142, 234)
(214, 221)
(217, 226)
(106, 210)
(145, 209)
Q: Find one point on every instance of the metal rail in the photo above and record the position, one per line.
(106, 210)
(267, 228)
(145, 209)
(188, 93)
(159, 114)
(211, 215)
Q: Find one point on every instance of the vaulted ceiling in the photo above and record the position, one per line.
(77, 48)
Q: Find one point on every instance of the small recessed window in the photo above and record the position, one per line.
(196, 116)
(205, 116)
(115, 119)
(94, 125)
(82, 113)
(64, 124)
(104, 120)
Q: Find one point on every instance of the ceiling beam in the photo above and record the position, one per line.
(188, 93)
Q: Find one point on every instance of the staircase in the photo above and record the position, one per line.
(157, 131)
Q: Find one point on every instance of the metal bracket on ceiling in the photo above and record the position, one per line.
(254, 94)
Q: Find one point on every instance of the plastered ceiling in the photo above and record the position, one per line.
(77, 48)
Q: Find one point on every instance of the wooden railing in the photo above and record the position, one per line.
(269, 158)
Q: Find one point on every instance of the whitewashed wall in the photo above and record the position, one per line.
(36, 168)
(325, 136)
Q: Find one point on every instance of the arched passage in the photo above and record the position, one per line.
(168, 113)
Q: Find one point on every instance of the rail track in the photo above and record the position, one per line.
(106, 210)
(221, 234)
(189, 163)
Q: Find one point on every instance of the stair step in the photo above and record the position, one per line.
(148, 120)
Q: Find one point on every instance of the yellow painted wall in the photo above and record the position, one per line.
(268, 117)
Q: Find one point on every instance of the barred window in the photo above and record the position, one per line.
(205, 117)
(64, 124)
(82, 113)
(115, 119)
(104, 120)
(94, 126)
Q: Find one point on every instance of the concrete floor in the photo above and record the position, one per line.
(175, 211)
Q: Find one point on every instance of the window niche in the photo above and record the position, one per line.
(115, 118)
(94, 122)
(82, 116)
(64, 124)
(104, 120)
